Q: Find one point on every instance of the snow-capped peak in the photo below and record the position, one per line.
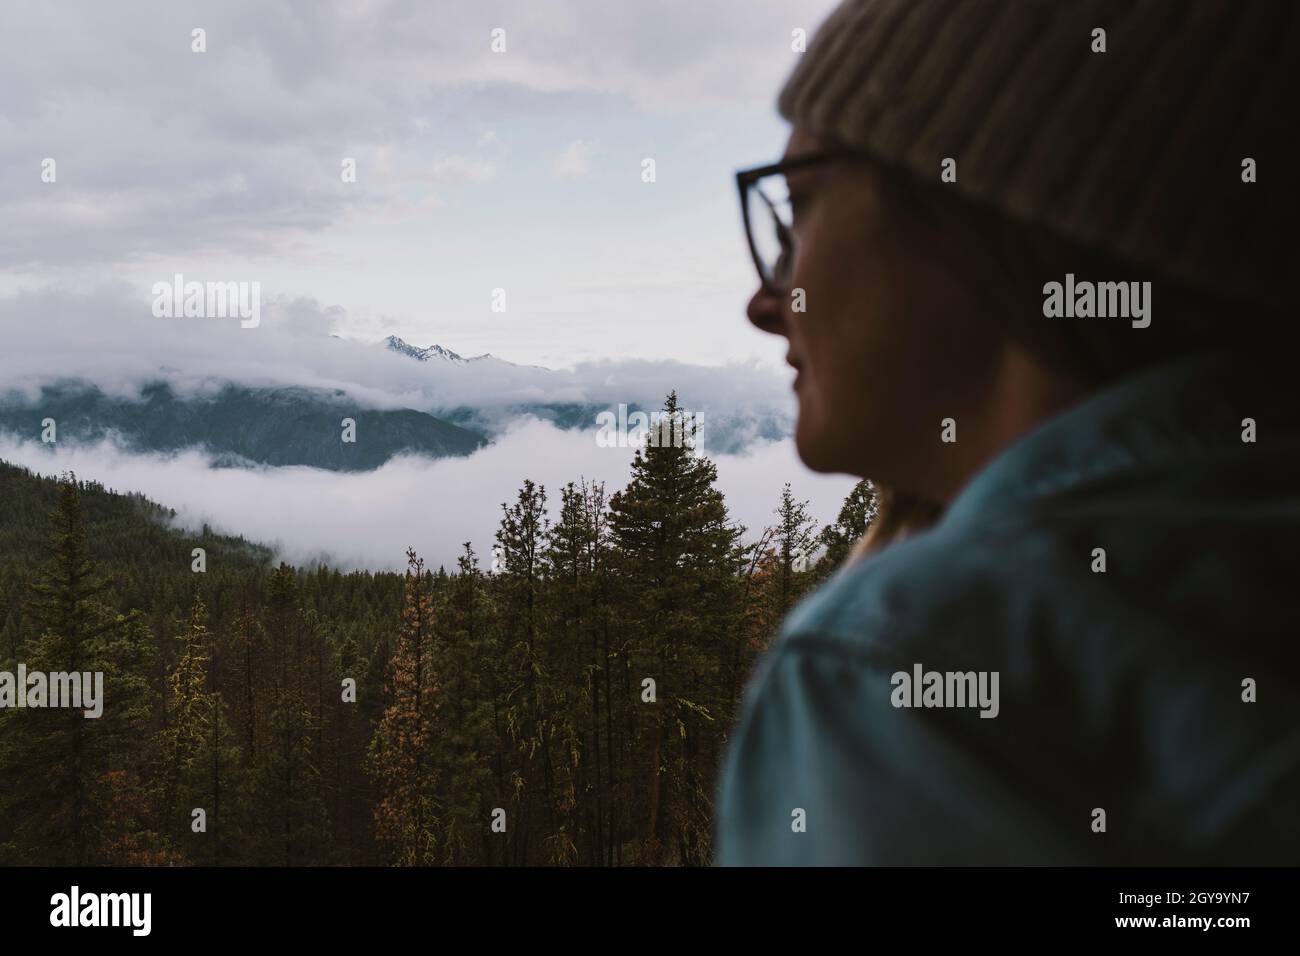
(423, 355)
(396, 344)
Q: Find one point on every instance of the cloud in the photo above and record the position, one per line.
(461, 169)
(574, 161)
(367, 520)
(109, 336)
(245, 139)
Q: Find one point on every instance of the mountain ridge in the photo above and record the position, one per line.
(238, 425)
(395, 343)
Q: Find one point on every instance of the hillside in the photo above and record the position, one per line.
(123, 530)
(238, 425)
(146, 562)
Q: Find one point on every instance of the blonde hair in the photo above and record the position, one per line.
(898, 514)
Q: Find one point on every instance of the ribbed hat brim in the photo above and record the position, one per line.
(1136, 151)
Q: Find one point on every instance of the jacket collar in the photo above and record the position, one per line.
(1187, 413)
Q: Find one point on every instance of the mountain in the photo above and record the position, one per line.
(726, 430)
(435, 351)
(438, 404)
(123, 531)
(424, 355)
(240, 425)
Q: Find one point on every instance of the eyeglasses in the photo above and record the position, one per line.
(769, 218)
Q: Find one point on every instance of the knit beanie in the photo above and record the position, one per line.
(1152, 130)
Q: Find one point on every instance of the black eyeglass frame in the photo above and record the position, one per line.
(746, 178)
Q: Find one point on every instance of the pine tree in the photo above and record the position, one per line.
(521, 539)
(794, 540)
(678, 556)
(349, 728)
(287, 769)
(407, 815)
(57, 751)
(197, 746)
(469, 749)
(575, 557)
(122, 829)
(759, 618)
(855, 517)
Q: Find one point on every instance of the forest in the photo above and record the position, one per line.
(567, 704)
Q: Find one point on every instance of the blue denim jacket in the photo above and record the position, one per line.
(1122, 733)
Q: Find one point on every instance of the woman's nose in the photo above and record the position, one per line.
(764, 311)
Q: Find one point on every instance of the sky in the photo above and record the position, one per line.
(476, 171)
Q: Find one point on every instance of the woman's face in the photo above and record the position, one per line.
(887, 345)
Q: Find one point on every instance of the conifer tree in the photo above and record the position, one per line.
(795, 539)
(575, 556)
(287, 771)
(759, 619)
(407, 815)
(57, 751)
(469, 749)
(349, 727)
(197, 747)
(678, 555)
(855, 517)
(520, 539)
(122, 829)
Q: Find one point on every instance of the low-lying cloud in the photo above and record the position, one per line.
(367, 520)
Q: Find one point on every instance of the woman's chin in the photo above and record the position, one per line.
(814, 447)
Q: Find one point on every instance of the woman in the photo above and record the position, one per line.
(1043, 675)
